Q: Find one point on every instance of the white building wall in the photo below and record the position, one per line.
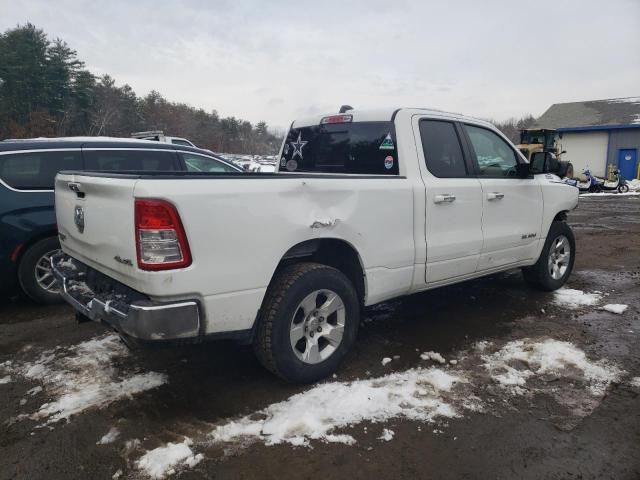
(586, 150)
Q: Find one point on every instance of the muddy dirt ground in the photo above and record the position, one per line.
(513, 436)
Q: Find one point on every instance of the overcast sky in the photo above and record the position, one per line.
(278, 60)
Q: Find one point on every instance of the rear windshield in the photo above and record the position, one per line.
(367, 148)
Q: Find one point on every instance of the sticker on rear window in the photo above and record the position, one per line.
(297, 147)
(388, 162)
(387, 143)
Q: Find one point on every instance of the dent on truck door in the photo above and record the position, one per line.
(453, 203)
(512, 206)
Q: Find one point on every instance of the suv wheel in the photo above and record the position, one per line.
(34, 272)
(308, 322)
(556, 260)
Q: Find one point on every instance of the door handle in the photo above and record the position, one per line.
(495, 196)
(444, 198)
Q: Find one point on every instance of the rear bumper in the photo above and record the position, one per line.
(104, 300)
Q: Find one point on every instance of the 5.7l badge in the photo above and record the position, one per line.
(78, 218)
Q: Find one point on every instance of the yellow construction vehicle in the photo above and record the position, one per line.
(534, 140)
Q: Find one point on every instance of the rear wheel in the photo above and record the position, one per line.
(34, 272)
(555, 264)
(308, 322)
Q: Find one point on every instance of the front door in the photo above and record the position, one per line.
(453, 202)
(628, 162)
(512, 207)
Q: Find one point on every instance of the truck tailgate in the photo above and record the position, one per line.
(95, 218)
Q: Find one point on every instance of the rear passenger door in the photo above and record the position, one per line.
(453, 201)
(512, 206)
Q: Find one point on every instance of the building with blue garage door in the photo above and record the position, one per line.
(598, 133)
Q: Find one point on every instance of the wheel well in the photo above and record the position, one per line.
(32, 241)
(561, 216)
(332, 252)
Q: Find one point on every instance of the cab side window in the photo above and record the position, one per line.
(36, 170)
(494, 156)
(442, 149)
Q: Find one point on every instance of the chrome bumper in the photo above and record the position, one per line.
(127, 311)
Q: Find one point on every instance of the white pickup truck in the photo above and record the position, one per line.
(366, 206)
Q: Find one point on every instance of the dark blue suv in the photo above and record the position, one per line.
(28, 235)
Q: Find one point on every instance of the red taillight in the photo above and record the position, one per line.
(337, 119)
(161, 242)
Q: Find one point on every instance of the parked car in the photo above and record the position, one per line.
(159, 136)
(366, 206)
(28, 234)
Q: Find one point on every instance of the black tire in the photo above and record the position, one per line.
(539, 275)
(27, 271)
(623, 188)
(289, 287)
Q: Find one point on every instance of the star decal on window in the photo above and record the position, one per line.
(297, 147)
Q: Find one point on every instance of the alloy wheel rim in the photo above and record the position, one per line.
(44, 275)
(317, 326)
(559, 257)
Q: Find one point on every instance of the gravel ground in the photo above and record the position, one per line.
(72, 409)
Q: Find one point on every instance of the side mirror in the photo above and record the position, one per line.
(540, 162)
(523, 170)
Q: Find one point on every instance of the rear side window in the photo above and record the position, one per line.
(442, 150)
(200, 163)
(139, 160)
(36, 170)
(367, 148)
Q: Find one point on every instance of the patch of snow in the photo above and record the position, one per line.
(635, 382)
(117, 475)
(109, 437)
(34, 391)
(630, 193)
(5, 380)
(385, 361)
(160, 462)
(80, 287)
(83, 376)
(435, 356)
(417, 394)
(615, 308)
(571, 298)
(387, 435)
(453, 362)
(515, 363)
(68, 263)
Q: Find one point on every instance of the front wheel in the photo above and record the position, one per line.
(307, 323)
(555, 264)
(623, 188)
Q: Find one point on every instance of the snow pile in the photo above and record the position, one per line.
(385, 361)
(84, 376)
(635, 382)
(615, 308)
(109, 437)
(570, 298)
(417, 394)
(630, 193)
(387, 435)
(435, 356)
(162, 461)
(518, 361)
(634, 185)
(6, 379)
